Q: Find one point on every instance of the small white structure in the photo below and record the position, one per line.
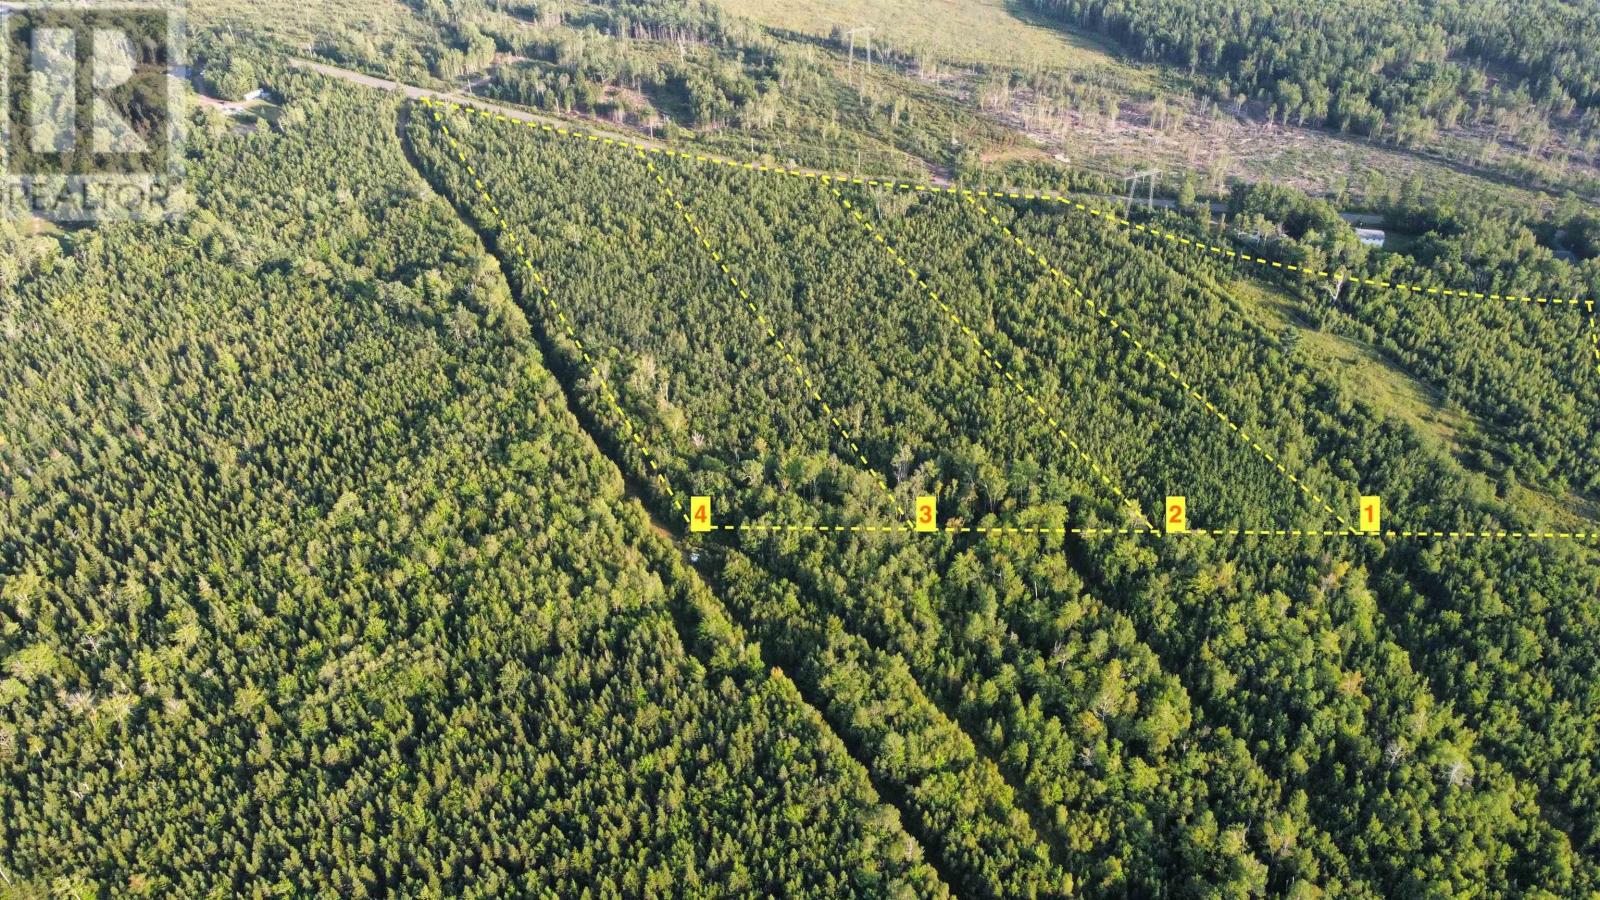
(1372, 237)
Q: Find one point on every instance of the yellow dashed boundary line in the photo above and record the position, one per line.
(1594, 334)
(955, 318)
(1074, 203)
(1209, 532)
(633, 432)
(561, 316)
(772, 333)
(1160, 363)
(1186, 241)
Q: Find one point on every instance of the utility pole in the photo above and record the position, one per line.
(851, 34)
(1132, 181)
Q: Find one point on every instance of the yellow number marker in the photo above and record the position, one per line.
(700, 514)
(1177, 515)
(927, 514)
(1371, 515)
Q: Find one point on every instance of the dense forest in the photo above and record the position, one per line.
(1535, 388)
(1398, 70)
(1238, 714)
(311, 585)
(342, 535)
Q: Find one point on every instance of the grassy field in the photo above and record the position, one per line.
(1360, 367)
(307, 21)
(379, 36)
(1394, 392)
(960, 31)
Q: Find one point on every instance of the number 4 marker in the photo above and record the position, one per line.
(700, 514)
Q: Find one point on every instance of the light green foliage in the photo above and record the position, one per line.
(963, 31)
(1235, 715)
(1391, 70)
(311, 585)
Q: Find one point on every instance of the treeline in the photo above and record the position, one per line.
(1389, 70)
(647, 63)
(690, 72)
(685, 70)
(1446, 602)
(1248, 716)
(593, 73)
(1523, 369)
(311, 585)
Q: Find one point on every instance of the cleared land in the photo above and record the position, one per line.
(307, 21)
(966, 31)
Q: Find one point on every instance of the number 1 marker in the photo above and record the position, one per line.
(1371, 515)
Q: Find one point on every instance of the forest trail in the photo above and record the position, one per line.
(1435, 690)
(413, 92)
(690, 564)
(936, 176)
(631, 488)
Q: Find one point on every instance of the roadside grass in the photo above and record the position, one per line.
(307, 22)
(985, 32)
